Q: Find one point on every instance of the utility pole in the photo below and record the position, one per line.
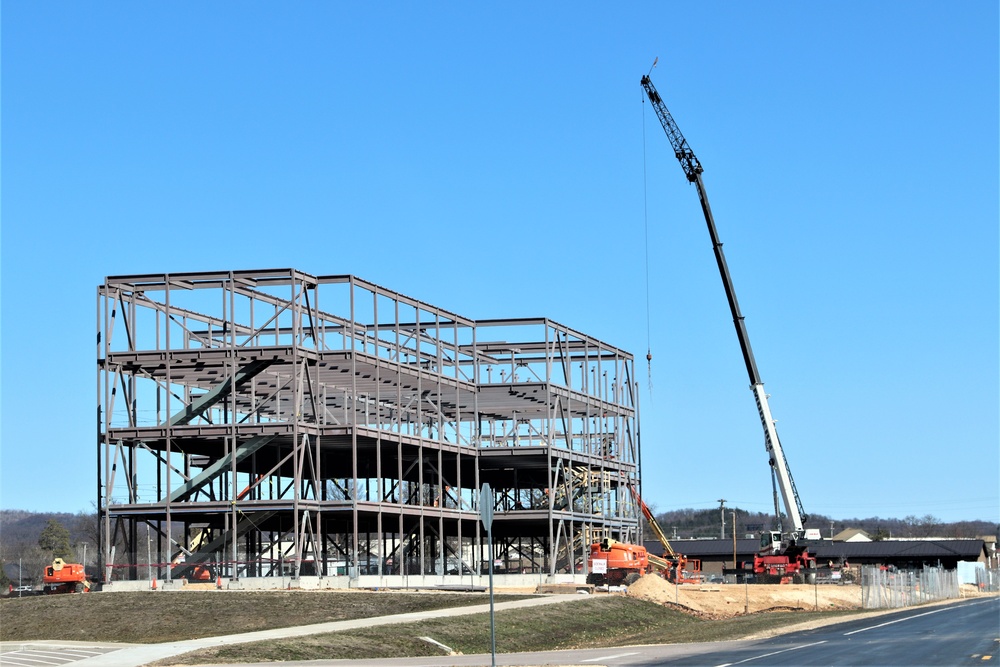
(734, 539)
(722, 512)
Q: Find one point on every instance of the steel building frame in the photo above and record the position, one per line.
(272, 423)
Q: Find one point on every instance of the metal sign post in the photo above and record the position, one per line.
(486, 515)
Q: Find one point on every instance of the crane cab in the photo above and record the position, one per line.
(770, 543)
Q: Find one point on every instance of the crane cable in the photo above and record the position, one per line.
(645, 222)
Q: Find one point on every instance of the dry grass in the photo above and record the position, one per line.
(149, 617)
(604, 621)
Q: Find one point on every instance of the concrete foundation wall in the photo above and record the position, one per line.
(500, 581)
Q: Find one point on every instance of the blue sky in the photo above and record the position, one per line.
(496, 159)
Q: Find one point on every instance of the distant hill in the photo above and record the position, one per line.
(22, 526)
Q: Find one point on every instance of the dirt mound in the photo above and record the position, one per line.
(973, 591)
(649, 586)
(724, 600)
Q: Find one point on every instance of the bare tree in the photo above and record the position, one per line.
(87, 528)
(31, 559)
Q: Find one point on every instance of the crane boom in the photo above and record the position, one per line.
(693, 170)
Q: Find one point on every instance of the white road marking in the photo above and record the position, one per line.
(611, 657)
(926, 613)
(69, 652)
(768, 655)
(84, 654)
(48, 655)
(898, 620)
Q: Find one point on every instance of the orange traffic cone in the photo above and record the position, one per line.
(218, 582)
(154, 583)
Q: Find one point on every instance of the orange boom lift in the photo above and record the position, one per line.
(63, 577)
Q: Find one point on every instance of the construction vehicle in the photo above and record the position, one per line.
(782, 555)
(198, 571)
(676, 567)
(624, 563)
(615, 563)
(63, 577)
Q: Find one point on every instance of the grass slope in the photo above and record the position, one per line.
(148, 617)
(587, 623)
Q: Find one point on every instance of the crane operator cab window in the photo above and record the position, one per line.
(770, 541)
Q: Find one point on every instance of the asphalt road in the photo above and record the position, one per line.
(964, 633)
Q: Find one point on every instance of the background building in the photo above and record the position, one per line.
(717, 555)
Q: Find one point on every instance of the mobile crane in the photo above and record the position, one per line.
(781, 556)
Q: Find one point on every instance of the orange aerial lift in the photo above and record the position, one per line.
(62, 577)
(615, 563)
(677, 568)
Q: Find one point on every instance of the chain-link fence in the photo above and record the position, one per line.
(888, 589)
(988, 580)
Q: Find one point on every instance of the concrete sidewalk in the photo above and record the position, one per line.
(137, 655)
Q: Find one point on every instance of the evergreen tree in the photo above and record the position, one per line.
(54, 540)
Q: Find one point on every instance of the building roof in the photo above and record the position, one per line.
(706, 548)
(910, 550)
(827, 550)
(852, 535)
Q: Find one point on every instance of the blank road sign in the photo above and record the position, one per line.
(486, 506)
